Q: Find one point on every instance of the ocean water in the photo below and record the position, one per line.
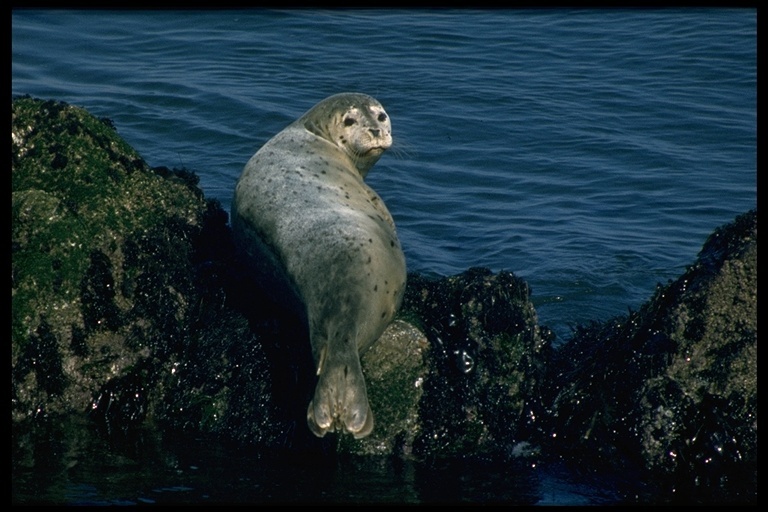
(590, 152)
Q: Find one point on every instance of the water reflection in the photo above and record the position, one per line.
(71, 464)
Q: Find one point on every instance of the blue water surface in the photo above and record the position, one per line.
(590, 152)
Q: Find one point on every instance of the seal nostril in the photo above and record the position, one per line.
(375, 132)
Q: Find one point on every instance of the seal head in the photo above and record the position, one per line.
(354, 122)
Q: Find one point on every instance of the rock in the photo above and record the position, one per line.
(485, 363)
(100, 257)
(124, 282)
(118, 275)
(672, 387)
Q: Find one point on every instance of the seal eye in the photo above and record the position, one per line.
(349, 121)
(382, 117)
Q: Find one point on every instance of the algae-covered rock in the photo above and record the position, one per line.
(90, 223)
(673, 386)
(127, 302)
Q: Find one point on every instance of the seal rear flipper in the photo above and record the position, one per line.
(356, 414)
(319, 431)
(351, 425)
(341, 401)
(316, 429)
(367, 427)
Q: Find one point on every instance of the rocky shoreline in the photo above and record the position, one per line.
(128, 306)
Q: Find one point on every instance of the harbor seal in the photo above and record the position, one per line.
(313, 230)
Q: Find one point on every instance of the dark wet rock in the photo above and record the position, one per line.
(484, 357)
(128, 304)
(672, 387)
(471, 392)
